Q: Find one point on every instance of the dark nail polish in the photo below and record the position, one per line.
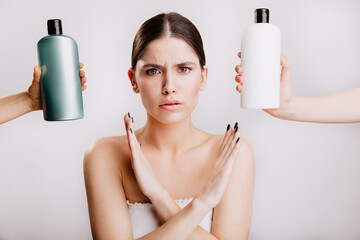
(228, 127)
(131, 130)
(132, 119)
(236, 129)
(236, 124)
(128, 114)
(237, 139)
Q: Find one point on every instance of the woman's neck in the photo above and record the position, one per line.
(168, 138)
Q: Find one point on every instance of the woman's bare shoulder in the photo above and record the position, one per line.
(107, 143)
(107, 150)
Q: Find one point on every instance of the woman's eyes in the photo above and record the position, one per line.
(154, 71)
(184, 69)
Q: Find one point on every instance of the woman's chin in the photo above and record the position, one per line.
(170, 117)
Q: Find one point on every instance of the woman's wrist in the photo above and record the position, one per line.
(287, 110)
(26, 102)
(161, 198)
(165, 206)
(201, 205)
(32, 104)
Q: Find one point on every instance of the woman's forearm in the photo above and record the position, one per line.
(340, 107)
(181, 223)
(166, 208)
(14, 106)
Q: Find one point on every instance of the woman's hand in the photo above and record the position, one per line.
(285, 87)
(33, 92)
(211, 194)
(147, 181)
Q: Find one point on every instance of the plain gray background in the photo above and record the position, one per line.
(307, 174)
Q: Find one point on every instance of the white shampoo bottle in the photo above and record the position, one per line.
(260, 59)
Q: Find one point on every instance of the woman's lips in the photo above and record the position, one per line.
(170, 105)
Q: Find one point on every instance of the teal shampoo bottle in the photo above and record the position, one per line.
(60, 81)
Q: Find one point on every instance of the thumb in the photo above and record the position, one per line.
(37, 74)
(286, 68)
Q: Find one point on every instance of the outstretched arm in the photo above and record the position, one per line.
(339, 107)
(18, 104)
(14, 106)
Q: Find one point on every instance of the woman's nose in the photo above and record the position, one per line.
(168, 86)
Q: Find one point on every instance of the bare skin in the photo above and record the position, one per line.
(175, 159)
(339, 107)
(16, 105)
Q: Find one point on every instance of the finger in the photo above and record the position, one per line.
(239, 79)
(127, 128)
(81, 65)
(83, 87)
(226, 137)
(239, 54)
(83, 80)
(239, 88)
(228, 148)
(136, 148)
(227, 141)
(239, 69)
(137, 153)
(232, 150)
(232, 144)
(131, 139)
(134, 141)
(222, 153)
(129, 133)
(236, 148)
(229, 161)
(37, 74)
(284, 63)
(82, 73)
(286, 67)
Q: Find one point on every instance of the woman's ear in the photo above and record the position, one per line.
(204, 75)
(131, 75)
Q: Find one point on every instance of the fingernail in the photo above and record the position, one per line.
(237, 139)
(128, 114)
(235, 124)
(228, 127)
(131, 130)
(132, 119)
(236, 129)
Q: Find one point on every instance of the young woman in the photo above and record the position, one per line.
(168, 179)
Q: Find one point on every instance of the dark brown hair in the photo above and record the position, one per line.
(171, 24)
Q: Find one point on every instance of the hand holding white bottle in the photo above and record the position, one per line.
(260, 58)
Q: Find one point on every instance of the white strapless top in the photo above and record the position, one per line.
(144, 218)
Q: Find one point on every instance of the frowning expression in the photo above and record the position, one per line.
(169, 77)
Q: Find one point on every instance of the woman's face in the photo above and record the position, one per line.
(169, 78)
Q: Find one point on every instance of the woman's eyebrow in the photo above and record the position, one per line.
(186, 64)
(152, 65)
(159, 66)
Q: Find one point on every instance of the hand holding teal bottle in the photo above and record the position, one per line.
(18, 104)
(33, 92)
(60, 83)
